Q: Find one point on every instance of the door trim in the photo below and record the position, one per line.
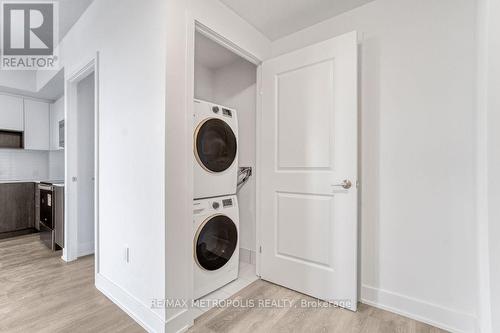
(221, 40)
(258, 167)
(71, 249)
(194, 25)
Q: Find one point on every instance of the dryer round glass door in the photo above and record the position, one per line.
(216, 242)
(215, 145)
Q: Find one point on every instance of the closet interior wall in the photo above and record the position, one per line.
(227, 79)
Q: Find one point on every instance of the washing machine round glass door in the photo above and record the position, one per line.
(215, 145)
(215, 242)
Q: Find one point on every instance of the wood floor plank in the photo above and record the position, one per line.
(41, 293)
(301, 317)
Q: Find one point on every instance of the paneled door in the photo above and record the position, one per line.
(308, 159)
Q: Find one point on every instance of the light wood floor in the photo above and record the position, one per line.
(41, 293)
(297, 318)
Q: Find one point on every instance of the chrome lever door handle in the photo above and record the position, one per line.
(346, 184)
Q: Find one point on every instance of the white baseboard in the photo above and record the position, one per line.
(181, 322)
(432, 314)
(141, 313)
(247, 256)
(85, 249)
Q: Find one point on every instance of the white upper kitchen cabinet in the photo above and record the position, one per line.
(11, 113)
(56, 116)
(36, 125)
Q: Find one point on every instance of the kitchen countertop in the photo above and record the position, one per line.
(59, 182)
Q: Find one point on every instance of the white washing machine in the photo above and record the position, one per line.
(215, 243)
(215, 150)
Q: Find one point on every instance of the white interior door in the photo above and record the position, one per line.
(308, 148)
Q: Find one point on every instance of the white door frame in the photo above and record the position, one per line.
(195, 25)
(71, 251)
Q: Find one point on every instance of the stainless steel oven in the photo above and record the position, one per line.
(52, 215)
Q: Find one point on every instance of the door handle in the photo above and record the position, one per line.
(346, 184)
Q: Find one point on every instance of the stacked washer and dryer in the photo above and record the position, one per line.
(215, 206)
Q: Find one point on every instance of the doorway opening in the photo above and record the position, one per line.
(303, 130)
(224, 108)
(82, 157)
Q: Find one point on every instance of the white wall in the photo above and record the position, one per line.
(85, 133)
(418, 115)
(29, 165)
(130, 37)
(492, 71)
(495, 217)
(235, 87)
(204, 82)
(178, 207)
(483, 263)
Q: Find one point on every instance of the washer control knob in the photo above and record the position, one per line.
(215, 109)
(215, 205)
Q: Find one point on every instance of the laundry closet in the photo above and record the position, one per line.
(224, 160)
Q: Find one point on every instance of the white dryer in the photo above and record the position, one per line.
(215, 150)
(215, 243)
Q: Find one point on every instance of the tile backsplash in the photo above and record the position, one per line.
(56, 165)
(24, 164)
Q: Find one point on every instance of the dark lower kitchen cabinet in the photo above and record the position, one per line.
(17, 207)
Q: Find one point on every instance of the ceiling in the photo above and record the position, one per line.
(212, 55)
(50, 92)
(54, 88)
(278, 18)
(69, 12)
